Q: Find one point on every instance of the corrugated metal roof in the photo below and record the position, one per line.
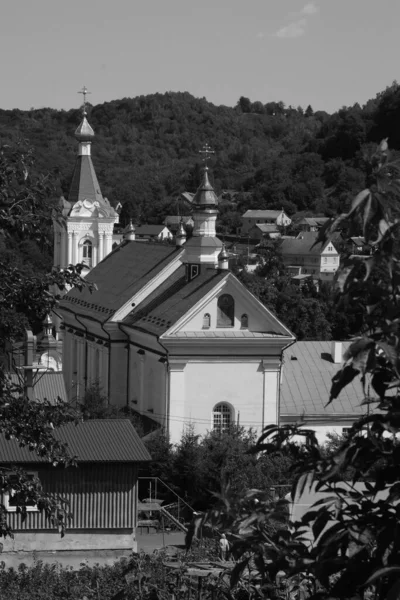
(119, 277)
(306, 382)
(98, 440)
(47, 386)
(262, 214)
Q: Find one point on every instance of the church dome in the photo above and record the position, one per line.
(84, 132)
(205, 195)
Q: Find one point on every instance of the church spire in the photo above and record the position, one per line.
(84, 132)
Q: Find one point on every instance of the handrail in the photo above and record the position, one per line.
(170, 489)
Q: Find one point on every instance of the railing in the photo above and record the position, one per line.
(179, 510)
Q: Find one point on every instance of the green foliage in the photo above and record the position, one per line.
(354, 528)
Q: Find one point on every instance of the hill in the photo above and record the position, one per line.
(146, 150)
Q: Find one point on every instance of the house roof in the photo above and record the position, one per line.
(176, 219)
(149, 229)
(172, 299)
(307, 378)
(118, 277)
(267, 227)
(262, 214)
(94, 441)
(47, 386)
(358, 241)
(188, 196)
(313, 221)
(303, 245)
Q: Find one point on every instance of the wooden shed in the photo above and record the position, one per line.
(101, 490)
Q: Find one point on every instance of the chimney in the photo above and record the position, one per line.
(336, 352)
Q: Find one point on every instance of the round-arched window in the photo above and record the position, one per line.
(244, 322)
(87, 252)
(206, 321)
(225, 311)
(222, 417)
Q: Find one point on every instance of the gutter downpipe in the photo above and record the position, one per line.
(109, 362)
(280, 382)
(128, 372)
(86, 351)
(167, 388)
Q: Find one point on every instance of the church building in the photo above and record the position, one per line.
(169, 331)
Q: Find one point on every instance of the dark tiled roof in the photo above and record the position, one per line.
(84, 182)
(99, 440)
(119, 277)
(302, 245)
(47, 386)
(307, 378)
(172, 300)
(149, 229)
(262, 214)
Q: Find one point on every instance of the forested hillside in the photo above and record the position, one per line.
(146, 149)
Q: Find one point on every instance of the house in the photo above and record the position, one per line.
(308, 368)
(101, 491)
(158, 233)
(359, 246)
(172, 333)
(302, 257)
(173, 222)
(274, 217)
(311, 223)
(262, 231)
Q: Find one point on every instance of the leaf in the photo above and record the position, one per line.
(299, 486)
(320, 523)
(341, 379)
(359, 199)
(382, 573)
(238, 570)
(394, 592)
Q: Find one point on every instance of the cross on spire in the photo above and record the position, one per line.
(207, 153)
(84, 91)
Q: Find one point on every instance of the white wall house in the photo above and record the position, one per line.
(254, 217)
(301, 257)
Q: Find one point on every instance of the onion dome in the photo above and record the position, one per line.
(223, 259)
(129, 232)
(181, 231)
(84, 132)
(205, 196)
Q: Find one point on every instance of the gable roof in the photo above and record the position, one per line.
(176, 219)
(118, 277)
(49, 386)
(149, 229)
(266, 227)
(307, 378)
(313, 221)
(94, 441)
(172, 299)
(303, 244)
(262, 214)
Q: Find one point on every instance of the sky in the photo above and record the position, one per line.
(326, 53)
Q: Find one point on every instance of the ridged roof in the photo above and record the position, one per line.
(262, 214)
(98, 440)
(119, 277)
(48, 386)
(84, 184)
(172, 300)
(307, 378)
(205, 196)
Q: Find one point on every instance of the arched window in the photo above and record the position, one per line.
(206, 321)
(87, 252)
(226, 311)
(222, 417)
(244, 322)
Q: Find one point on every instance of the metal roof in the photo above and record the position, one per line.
(262, 214)
(306, 382)
(119, 277)
(304, 245)
(98, 440)
(150, 229)
(47, 386)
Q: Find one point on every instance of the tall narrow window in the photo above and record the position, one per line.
(244, 322)
(206, 321)
(87, 251)
(222, 417)
(226, 311)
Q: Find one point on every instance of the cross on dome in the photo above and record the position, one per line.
(207, 154)
(84, 91)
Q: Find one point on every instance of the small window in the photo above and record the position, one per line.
(207, 321)
(244, 322)
(226, 311)
(222, 417)
(87, 251)
(325, 259)
(12, 501)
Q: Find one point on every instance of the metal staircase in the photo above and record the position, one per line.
(176, 513)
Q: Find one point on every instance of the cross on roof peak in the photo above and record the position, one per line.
(84, 91)
(207, 153)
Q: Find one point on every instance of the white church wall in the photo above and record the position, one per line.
(118, 374)
(196, 387)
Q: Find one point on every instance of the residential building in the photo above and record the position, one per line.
(172, 333)
(173, 222)
(311, 223)
(159, 233)
(254, 217)
(262, 231)
(302, 256)
(101, 492)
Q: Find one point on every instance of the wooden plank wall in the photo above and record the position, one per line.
(100, 497)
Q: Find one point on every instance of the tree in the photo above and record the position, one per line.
(24, 299)
(355, 528)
